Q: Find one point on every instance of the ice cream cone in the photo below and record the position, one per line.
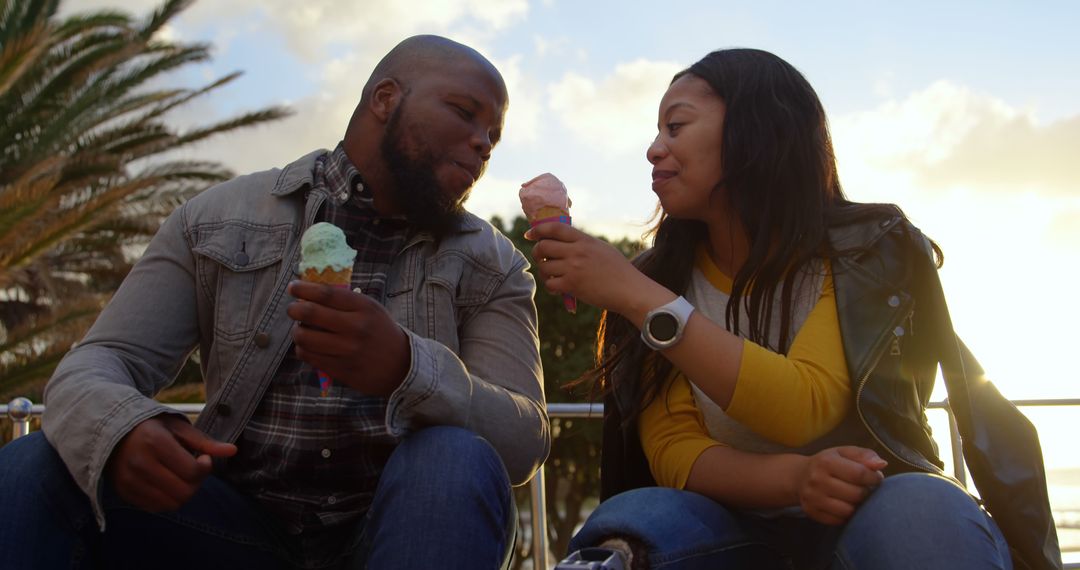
(544, 199)
(326, 258)
(328, 276)
(549, 213)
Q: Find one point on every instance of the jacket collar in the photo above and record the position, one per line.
(300, 174)
(861, 234)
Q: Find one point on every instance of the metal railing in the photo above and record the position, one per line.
(21, 410)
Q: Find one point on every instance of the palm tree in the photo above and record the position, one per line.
(87, 167)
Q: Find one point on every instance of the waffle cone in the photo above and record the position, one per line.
(547, 212)
(328, 276)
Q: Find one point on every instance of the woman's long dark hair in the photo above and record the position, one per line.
(778, 177)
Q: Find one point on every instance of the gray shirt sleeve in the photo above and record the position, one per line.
(104, 386)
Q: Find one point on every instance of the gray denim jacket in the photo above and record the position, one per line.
(465, 302)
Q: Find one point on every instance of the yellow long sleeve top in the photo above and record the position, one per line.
(790, 399)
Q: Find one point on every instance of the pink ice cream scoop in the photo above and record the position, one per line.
(544, 199)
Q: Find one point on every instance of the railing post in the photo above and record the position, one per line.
(19, 410)
(957, 446)
(539, 521)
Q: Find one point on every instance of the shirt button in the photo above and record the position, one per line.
(223, 410)
(894, 301)
(332, 500)
(898, 331)
(262, 340)
(326, 454)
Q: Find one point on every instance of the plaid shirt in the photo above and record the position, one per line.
(314, 461)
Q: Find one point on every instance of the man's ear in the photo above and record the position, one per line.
(385, 98)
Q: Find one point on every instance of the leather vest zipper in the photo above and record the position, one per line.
(879, 350)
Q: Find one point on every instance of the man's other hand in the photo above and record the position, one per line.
(159, 465)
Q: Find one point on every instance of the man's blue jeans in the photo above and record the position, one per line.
(443, 501)
(910, 521)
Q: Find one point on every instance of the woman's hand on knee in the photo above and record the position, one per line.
(835, 481)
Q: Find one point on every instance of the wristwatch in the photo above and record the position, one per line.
(664, 325)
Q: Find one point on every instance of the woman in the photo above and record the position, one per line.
(767, 363)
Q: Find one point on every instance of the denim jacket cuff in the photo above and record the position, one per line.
(419, 384)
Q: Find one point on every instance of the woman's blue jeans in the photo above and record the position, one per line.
(912, 520)
(443, 501)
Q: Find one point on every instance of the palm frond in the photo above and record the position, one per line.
(26, 335)
(189, 95)
(31, 352)
(78, 25)
(86, 170)
(20, 377)
(72, 220)
(245, 120)
(35, 179)
(20, 53)
(162, 15)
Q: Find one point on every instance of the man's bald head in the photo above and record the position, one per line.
(424, 54)
(428, 119)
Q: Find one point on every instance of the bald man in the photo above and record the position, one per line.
(436, 406)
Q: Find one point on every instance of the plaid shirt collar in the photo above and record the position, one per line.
(345, 184)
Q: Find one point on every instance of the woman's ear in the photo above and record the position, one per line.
(385, 98)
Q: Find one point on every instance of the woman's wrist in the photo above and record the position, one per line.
(793, 469)
(641, 298)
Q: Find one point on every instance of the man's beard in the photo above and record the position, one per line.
(416, 191)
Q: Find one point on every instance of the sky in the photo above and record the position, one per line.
(966, 114)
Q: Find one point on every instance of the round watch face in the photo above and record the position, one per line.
(663, 327)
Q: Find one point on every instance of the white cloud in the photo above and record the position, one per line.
(523, 118)
(947, 136)
(998, 191)
(921, 129)
(1014, 154)
(551, 47)
(168, 33)
(311, 28)
(1064, 228)
(319, 121)
(499, 13)
(139, 8)
(495, 196)
(617, 114)
(883, 86)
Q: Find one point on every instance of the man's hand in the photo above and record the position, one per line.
(160, 463)
(350, 337)
(836, 480)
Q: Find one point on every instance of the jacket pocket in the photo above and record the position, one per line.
(455, 286)
(238, 270)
